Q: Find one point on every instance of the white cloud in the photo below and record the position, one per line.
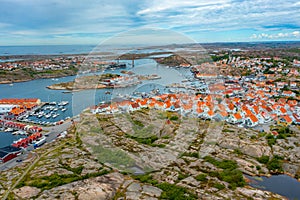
(65, 19)
(286, 35)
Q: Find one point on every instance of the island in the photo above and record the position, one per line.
(102, 81)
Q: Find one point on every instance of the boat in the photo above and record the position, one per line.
(9, 130)
(19, 132)
(55, 115)
(63, 103)
(64, 109)
(52, 103)
(48, 116)
(15, 133)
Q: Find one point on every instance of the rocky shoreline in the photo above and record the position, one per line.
(20, 75)
(189, 158)
(92, 82)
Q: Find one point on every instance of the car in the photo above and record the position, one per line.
(47, 134)
(19, 160)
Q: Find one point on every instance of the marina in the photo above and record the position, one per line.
(48, 114)
(61, 105)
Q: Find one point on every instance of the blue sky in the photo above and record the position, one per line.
(30, 22)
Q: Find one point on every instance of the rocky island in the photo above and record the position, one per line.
(102, 81)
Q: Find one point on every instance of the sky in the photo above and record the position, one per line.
(40, 22)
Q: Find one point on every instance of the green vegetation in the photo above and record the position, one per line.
(191, 154)
(55, 180)
(174, 118)
(201, 177)
(143, 131)
(270, 139)
(238, 152)
(138, 123)
(148, 141)
(174, 192)
(224, 164)
(115, 157)
(274, 164)
(146, 178)
(182, 176)
(219, 186)
(170, 191)
(230, 173)
(219, 57)
(228, 130)
(76, 170)
(283, 132)
(263, 159)
(144, 134)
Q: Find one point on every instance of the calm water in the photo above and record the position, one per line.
(280, 184)
(83, 99)
(45, 49)
(69, 49)
(7, 138)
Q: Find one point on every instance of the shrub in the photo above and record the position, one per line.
(138, 123)
(230, 173)
(219, 186)
(174, 118)
(275, 164)
(263, 159)
(146, 178)
(182, 176)
(191, 154)
(201, 177)
(173, 192)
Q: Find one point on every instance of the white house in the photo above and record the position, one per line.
(6, 108)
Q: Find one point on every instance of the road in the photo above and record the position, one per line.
(52, 135)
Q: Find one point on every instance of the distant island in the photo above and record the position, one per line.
(102, 81)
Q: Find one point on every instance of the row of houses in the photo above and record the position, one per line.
(20, 126)
(58, 63)
(12, 108)
(234, 110)
(23, 142)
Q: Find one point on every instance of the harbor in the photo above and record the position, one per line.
(50, 113)
(58, 106)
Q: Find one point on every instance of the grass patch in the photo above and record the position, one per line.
(229, 174)
(170, 191)
(263, 159)
(138, 123)
(219, 186)
(145, 178)
(182, 176)
(115, 157)
(174, 192)
(149, 140)
(224, 164)
(228, 130)
(55, 180)
(191, 154)
(201, 177)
